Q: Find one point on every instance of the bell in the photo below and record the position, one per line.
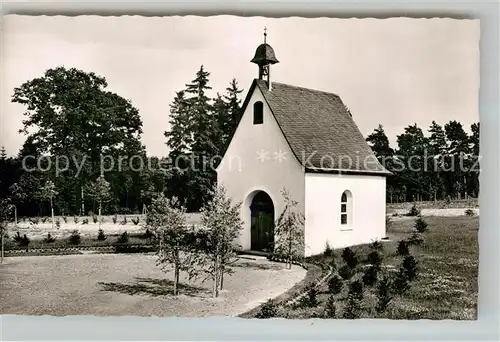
(264, 55)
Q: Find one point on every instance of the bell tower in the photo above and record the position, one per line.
(264, 58)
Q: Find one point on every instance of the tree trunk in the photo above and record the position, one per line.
(100, 209)
(83, 203)
(1, 253)
(15, 215)
(221, 278)
(52, 213)
(176, 280)
(216, 277)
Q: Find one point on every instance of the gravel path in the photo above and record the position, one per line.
(115, 285)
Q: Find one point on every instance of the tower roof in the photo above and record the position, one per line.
(264, 55)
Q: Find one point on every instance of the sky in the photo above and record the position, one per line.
(393, 72)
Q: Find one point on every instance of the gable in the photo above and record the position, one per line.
(250, 136)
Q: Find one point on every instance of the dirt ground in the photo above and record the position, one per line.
(115, 285)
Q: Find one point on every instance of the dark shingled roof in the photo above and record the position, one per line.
(319, 129)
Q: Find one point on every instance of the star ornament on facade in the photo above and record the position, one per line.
(262, 155)
(280, 156)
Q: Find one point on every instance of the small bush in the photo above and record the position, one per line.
(100, 235)
(335, 285)
(370, 276)
(310, 300)
(268, 310)
(95, 218)
(448, 200)
(410, 267)
(135, 221)
(346, 272)
(415, 239)
(328, 250)
(374, 258)
(353, 307)
(65, 219)
(85, 221)
(330, 308)
(123, 238)
(75, 237)
(403, 249)
(17, 238)
(44, 219)
(124, 222)
(24, 241)
(115, 218)
(376, 246)
(420, 225)
(469, 212)
(384, 296)
(414, 211)
(333, 264)
(49, 238)
(148, 234)
(401, 283)
(58, 223)
(34, 220)
(75, 219)
(349, 257)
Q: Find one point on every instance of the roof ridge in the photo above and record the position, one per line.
(305, 88)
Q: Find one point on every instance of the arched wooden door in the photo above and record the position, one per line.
(262, 223)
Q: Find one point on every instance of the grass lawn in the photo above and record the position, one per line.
(447, 285)
(132, 284)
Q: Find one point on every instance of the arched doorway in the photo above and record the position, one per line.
(262, 223)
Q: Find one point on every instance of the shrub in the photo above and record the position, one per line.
(17, 238)
(115, 218)
(374, 258)
(353, 308)
(376, 246)
(135, 221)
(58, 223)
(370, 276)
(335, 285)
(44, 219)
(148, 234)
(420, 225)
(49, 238)
(95, 218)
(75, 219)
(100, 235)
(268, 310)
(65, 219)
(403, 249)
(328, 250)
(346, 272)
(35, 220)
(310, 300)
(85, 221)
(415, 239)
(448, 200)
(410, 267)
(349, 257)
(124, 220)
(330, 308)
(469, 212)
(383, 294)
(123, 238)
(24, 241)
(400, 284)
(75, 237)
(414, 211)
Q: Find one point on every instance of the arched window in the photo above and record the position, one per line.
(258, 113)
(346, 208)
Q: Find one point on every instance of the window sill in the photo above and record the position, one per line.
(346, 229)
